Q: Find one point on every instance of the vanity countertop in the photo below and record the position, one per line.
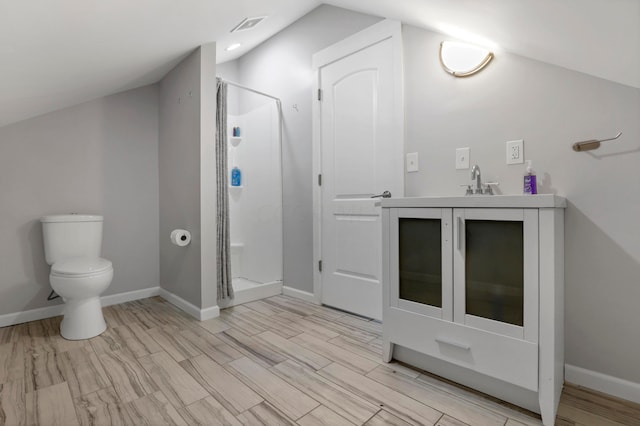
(481, 201)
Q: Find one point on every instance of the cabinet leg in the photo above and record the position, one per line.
(548, 416)
(387, 351)
(548, 410)
(549, 395)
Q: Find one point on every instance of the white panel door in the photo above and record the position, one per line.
(359, 151)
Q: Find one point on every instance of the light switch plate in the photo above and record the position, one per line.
(412, 162)
(462, 158)
(515, 152)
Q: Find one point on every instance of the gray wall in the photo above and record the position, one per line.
(550, 108)
(281, 66)
(98, 157)
(179, 172)
(187, 177)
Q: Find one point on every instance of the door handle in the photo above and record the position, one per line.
(460, 231)
(385, 194)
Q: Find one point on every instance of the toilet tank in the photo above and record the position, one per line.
(71, 235)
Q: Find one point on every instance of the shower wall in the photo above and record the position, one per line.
(256, 206)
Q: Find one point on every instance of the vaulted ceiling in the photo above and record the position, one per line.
(55, 54)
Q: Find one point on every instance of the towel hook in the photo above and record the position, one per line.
(592, 144)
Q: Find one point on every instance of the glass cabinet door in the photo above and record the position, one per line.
(420, 260)
(496, 275)
(421, 269)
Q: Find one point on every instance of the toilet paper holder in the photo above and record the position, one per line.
(180, 237)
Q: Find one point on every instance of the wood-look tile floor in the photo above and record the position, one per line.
(279, 361)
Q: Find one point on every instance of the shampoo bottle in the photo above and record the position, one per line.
(530, 184)
(236, 177)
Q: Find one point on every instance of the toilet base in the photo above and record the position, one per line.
(83, 319)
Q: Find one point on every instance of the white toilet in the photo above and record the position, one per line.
(72, 245)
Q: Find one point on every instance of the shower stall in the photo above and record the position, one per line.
(254, 160)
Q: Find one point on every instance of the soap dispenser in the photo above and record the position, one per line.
(236, 177)
(530, 184)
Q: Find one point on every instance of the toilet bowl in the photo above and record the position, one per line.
(72, 246)
(80, 281)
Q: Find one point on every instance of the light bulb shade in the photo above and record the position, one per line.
(462, 59)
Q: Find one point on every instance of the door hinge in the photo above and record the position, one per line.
(319, 94)
(320, 265)
(319, 180)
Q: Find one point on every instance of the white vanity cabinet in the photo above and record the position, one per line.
(478, 282)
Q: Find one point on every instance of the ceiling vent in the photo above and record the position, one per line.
(248, 24)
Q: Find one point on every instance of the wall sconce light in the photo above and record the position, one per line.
(462, 59)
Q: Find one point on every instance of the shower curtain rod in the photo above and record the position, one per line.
(231, 83)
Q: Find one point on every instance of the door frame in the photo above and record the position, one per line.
(386, 29)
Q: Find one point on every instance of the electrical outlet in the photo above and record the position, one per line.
(412, 162)
(515, 152)
(462, 158)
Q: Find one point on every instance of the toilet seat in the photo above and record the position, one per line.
(81, 267)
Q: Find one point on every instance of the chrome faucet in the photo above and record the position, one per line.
(481, 189)
(475, 174)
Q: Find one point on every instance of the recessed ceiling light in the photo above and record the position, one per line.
(234, 46)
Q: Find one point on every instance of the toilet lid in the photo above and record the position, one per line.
(81, 266)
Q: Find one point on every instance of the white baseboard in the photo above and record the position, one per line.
(209, 313)
(299, 294)
(31, 315)
(189, 308)
(57, 310)
(602, 383)
(129, 296)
